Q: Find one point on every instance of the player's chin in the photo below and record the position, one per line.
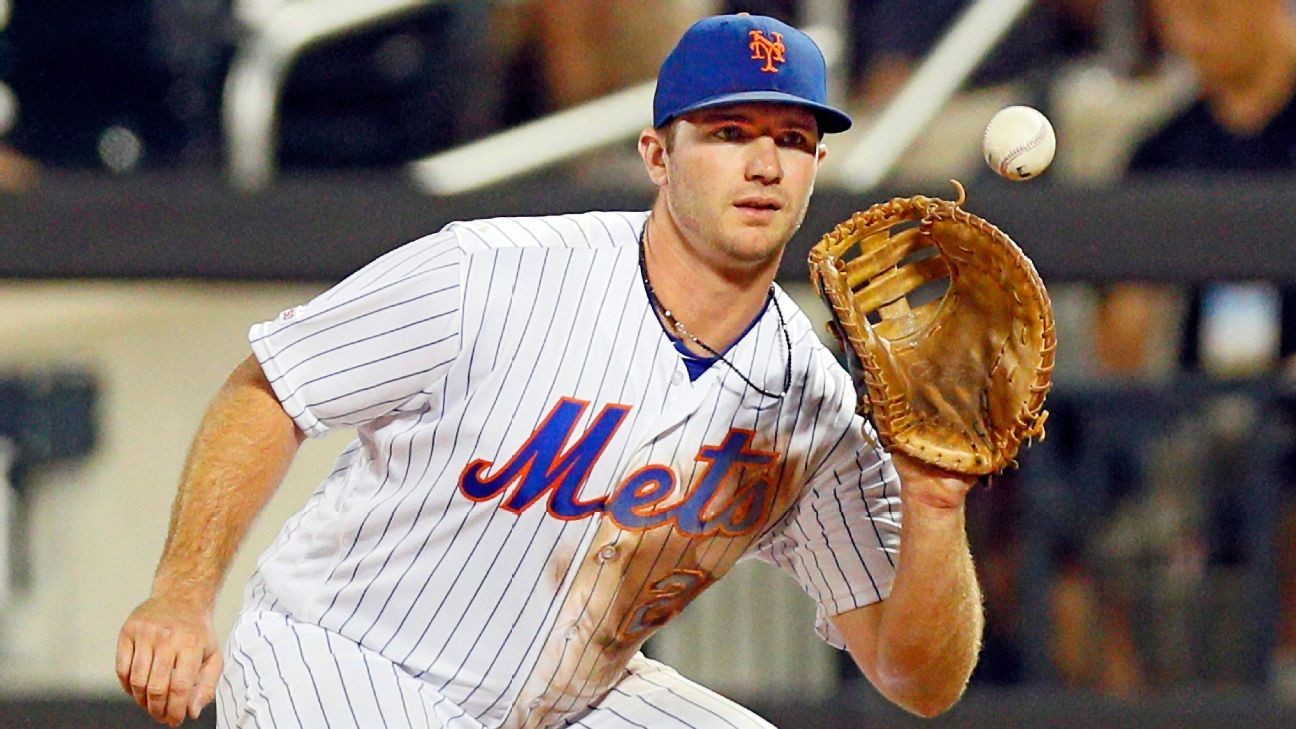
(758, 245)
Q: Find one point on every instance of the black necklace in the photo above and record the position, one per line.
(679, 328)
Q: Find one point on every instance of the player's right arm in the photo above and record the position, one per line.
(168, 657)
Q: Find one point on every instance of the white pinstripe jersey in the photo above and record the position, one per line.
(537, 485)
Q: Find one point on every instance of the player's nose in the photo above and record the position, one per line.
(763, 161)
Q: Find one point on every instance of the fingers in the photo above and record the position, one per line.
(159, 678)
(168, 659)
(141, 664)
(125, 653)
(183, 680)
(205, 690)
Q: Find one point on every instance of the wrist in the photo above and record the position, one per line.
(186, 591)
(932, 508)
(930, 489)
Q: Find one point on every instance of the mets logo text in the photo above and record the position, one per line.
(769, 51)
(541, 467)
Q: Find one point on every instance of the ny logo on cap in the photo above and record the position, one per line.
(769, 51)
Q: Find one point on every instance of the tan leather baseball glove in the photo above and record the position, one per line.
(947, 327)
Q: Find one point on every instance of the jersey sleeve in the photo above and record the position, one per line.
(840, 540)
(373, 344)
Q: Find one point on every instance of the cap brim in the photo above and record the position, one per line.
(831, 120)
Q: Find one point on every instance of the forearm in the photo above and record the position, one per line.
(920, 644)
(930, 628)
(238, 458)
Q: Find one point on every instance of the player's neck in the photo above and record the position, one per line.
(715, 303)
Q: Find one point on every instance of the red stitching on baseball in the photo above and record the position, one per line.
(1021, 149)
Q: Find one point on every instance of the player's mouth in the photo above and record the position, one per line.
(758, 206)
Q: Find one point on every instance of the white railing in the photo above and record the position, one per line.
(536, 144)
(259, 69)
(621, 116)
(958, 53)
(560, 136)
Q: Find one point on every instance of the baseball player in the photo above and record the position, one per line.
(567, 428)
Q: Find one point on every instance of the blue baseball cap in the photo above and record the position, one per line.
(735, 59)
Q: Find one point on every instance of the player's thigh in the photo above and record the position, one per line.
(655, 695)
(284, 674)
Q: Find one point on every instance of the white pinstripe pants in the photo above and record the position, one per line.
(284, 674)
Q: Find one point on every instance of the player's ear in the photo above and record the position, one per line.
(652, 148)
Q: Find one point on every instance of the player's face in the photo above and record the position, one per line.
(737, 179)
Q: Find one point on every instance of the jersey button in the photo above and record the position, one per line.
(608, 553)
(678, 378)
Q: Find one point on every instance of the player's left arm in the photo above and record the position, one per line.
(920, 644)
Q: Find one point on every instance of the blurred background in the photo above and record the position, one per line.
(173, 171)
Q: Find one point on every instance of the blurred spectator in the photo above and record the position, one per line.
(1244, 54)
(1243, 120)
(561, 53)
(1131, 339)
(564, 52)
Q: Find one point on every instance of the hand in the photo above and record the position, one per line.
(168, 659)
(931, 486)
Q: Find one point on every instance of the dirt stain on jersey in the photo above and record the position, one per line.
(627, 586)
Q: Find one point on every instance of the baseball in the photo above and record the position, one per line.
(1019, 143)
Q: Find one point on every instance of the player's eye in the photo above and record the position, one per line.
(730, 133)
(796, 140)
